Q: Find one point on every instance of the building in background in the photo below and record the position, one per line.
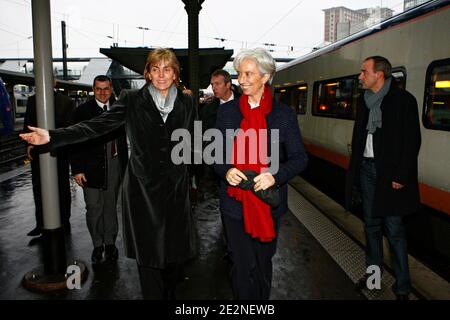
(375, 15)
(340, 22)
(408, 4)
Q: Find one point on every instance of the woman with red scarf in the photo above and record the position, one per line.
(251, 224)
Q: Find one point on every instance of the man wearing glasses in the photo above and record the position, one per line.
(97, 166)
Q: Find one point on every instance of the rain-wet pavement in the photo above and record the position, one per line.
(302, 268)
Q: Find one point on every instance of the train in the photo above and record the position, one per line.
(323, 88)
(16, 88)
(21, 95)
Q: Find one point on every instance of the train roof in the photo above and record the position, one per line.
(397, 19)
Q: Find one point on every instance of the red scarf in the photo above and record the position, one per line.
(256, 213)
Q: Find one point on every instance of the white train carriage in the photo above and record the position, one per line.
(323, 88)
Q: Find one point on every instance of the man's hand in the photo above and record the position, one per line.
(264, 181)
(80, 179)
(396, 185)
(38, 136)
(235, 176)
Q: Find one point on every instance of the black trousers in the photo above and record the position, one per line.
(160, 284)
(251, 273)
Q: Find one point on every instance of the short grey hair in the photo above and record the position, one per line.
(381, 64)
(262, 58)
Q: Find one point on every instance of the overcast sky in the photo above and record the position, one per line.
(242, 23)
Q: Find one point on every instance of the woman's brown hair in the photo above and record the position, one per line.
(162, 54)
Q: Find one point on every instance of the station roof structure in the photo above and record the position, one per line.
(13, 77)
(134, 59)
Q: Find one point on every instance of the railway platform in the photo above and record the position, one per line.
(319, 257)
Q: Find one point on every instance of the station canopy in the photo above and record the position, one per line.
(13, 77)
(210, 59)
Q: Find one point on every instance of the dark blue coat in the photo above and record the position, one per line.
(293, 158)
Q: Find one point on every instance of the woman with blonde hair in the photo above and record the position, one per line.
(253, 194)
(157, 222)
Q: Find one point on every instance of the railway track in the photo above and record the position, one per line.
(12, 148)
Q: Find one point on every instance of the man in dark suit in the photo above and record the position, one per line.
(97, 166)
(385, 147)
(223, 92)
(221, 86)
(64, 108)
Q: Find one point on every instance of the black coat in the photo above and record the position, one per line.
(293, 158)
(396, 147)
(90, 157)
(157, 221)
(64, 108)
(208, 114)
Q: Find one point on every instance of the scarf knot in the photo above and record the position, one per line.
(373, 102)
(163, 104)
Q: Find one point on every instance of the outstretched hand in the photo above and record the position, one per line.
(38, 136)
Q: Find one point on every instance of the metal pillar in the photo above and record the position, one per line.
(54, 248)
(193, 8)
(64, 49)
(53, 276)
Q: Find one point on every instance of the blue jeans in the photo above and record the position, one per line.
(373, 227)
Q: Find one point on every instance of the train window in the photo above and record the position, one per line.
(302, 95)
(281, 95)
(21, 103)
(399, 75)
(336, 98)
(436, 113)
(293, 96)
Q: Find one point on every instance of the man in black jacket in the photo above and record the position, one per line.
(385, 147)
(223, 93)
(96, 167)
(64, 108)
(221, 86)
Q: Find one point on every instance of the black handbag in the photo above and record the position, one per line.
(271, 196)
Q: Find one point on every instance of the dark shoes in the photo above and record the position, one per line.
(35, 232)
(111, 253)
(36, 240)
(402, 297)
(97, 255)
(38, 231)
(361, 284)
